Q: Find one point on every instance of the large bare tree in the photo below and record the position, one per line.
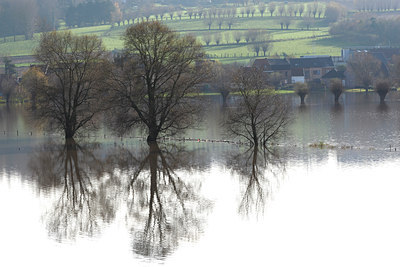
(153, 87)
(76, 67)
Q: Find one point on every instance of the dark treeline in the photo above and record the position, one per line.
(378, 30)
(90, 13)
(25, 17)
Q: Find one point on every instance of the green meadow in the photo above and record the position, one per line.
(295, 41)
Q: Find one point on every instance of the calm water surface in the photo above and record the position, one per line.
(122, 203)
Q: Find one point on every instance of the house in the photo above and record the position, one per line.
(386, 52)
(261, 63)
(281, 66)
(313, 67)
(298, 75)
(333, 74)
(275, 65)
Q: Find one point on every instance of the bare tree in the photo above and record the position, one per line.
(315, 7)
(301, 90)
(261, 8)
(260, 115)
(281, 22)
(77, 68)
(237, 35)
(336, 88)
(254, 35)
(290, 9)
(287, 22)
(282, 10)
(214, 12)
(365, 68)
(209, 22)
(320, 10)
(247, 36)
(271, 8)
(171, 13)
(207, 39)
(255, 47)
(189, 13)
(382, 87)
(248, 10)
(222, 80)
(227, 37)
(309, 10)
(33, 80)
(295, 10)
(8, 87)
(179, 14)
(301, 9)
(252, 11)
(200, 12)
(308, 22)
(217, 38)
(152, 88)
(266, 43)
(220, 21)
(230, 21)
(242, 11)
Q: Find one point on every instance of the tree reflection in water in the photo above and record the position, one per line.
(163, 208)
(260, 171)
(83, 204)
(150, 186)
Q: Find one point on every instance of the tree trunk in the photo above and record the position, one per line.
(302, 99)
(69, 133)
(224, 98)
(337, 99)
(153, 134)
(382, 96)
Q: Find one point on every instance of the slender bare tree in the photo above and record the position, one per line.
(260, 115)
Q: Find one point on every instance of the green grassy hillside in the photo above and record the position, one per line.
(295, 41)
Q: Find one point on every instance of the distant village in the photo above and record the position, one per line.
(318, 71)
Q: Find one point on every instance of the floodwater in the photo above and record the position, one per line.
(111, 201)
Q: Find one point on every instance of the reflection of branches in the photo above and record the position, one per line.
(163, 207)
(82, 202)
(253, 166)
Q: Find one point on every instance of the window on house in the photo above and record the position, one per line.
(316, 72)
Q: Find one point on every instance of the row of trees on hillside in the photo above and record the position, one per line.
(250, 37)
(376, 5)
(315, 10)
(152, 86)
